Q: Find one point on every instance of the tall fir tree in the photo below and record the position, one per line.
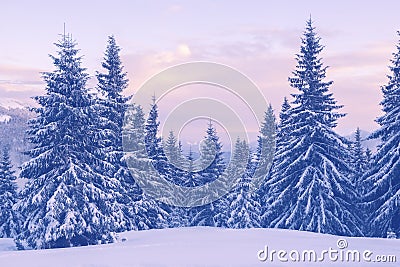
(69, 199)
(145, 212)
(382, 181)
(173, 151)
(213, 166)
(191, 178)
(180, 175)
(284, 121)
(212, 162)
(10, 220)
(153, 142)
(359, 161)
(309, 186)
(265, 149)
(266, 140)
(244, 209)
(111, 107)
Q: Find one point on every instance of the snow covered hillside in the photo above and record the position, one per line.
(202, 246)
(10, 103)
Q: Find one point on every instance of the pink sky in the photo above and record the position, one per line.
(259, 38)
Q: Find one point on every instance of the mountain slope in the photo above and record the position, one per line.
(14, 115)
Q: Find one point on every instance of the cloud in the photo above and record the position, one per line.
(174, 8)
(20, 82)
(184, 50)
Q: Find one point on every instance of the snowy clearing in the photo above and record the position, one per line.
(198, 246)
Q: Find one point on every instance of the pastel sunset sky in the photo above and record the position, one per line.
(258, 38)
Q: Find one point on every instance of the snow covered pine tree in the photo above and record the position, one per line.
(266, 146)
(383, 179)
(309, 187)
(145, 212)
(111, 108)
(68, 200)
(244, 209)
(10, 219)
(213, 166)
(359, 162)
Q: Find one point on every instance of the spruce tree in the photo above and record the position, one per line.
(359, 161)
(10, 219)
(382, 180)
(244, 208)
(284, 121)
(213, 166)
(265, 148)
(146, 213)
(266, 141)
(212, 162)
(69, 199)
(181, 173)
(309, 188)
(153, 142)
(111, 107)
(176, 162)
(191, 178)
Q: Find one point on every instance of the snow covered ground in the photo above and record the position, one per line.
(200, 247)
(6, 244)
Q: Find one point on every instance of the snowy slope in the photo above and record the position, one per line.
(9, 103)
(198, 246)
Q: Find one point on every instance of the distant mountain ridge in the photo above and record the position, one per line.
(10, 103)
(14, 115)
(367, 143)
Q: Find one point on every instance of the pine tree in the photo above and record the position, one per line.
(264, 155)
(10, 219)
(212, 161)
(175, 167)
(191, 178)
(309, 185)
(213, 166)
(69, 199)
(171, 148)
(111, 108)
(284, 121)
(382, 180)
(145, 212)
(359, 161)
(244, 209)
(180, 175)
(154, 143)
(266, 141)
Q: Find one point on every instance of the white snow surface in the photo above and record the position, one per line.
(197, 247)
(6, 244)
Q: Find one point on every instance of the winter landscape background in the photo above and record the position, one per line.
(91, 175)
